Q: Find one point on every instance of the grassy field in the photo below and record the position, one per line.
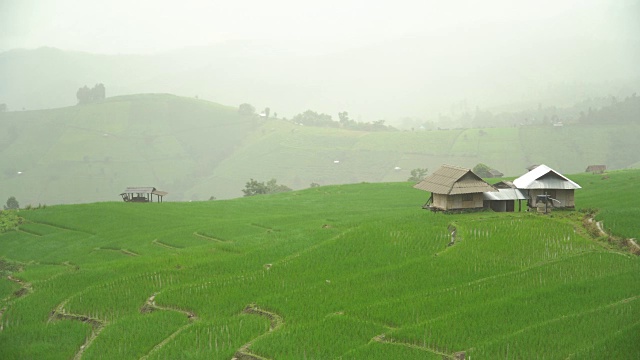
(196, 149)
(353, 271)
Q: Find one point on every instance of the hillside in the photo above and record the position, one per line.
(351, 271)
(92, 152)
(196, 149)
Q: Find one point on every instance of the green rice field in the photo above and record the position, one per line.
(337, 272)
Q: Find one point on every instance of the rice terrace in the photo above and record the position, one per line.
(354, 271)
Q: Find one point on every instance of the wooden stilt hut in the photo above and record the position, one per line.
(142, 194)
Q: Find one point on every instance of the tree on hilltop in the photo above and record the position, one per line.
(482, 170)
(12, 204)
(86, 95)
(312, 118)
(418, 174)
(344, 119)
(254, 187)
(246, 109)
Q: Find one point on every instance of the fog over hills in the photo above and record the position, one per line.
(559, 58)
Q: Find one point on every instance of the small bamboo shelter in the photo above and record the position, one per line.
(543, 183)
(596, 169)
(454, 188)
(142, 194)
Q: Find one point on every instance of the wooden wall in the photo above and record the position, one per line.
(455, 202)
(566, 197)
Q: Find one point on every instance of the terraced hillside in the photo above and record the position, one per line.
(196, 149)
(351, 271)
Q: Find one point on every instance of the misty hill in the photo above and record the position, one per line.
(196, 149)
(390, 79)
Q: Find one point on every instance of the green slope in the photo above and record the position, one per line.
(196, 149)
(92, 152)
(352, 271)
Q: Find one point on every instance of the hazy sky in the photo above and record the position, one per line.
(147, 26)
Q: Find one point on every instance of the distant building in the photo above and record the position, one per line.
(596, 169)
(495, 173)
(454, 188)
(543, 181)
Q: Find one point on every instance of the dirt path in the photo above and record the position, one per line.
(275, 322)
(634, 248)
(97, 325)
(384, 340)
(25, 288)
(149, 306)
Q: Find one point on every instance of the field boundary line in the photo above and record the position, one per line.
(62, 227)
(616, 333)
(631, 247)
(97, 325)
(166, 340)
(25, 289)
(313, 247)
(197, 234)
(163, 244)
(32, 233)
(123, 251)
(260, 226)
(149, 306)
(275, 322)
(383, 340)
(565, 317)
(68, 268)
(475, 282)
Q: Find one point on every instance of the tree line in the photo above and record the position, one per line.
(313, 118)
(87, 96)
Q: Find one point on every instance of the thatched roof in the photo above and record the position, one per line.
(596, 168)
(495, 173)
(544, 177)
(453, 180)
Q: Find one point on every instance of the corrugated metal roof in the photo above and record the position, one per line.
(544, 177)
(144, 190)
(453, 180)
(139, 190)
(504, 194)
